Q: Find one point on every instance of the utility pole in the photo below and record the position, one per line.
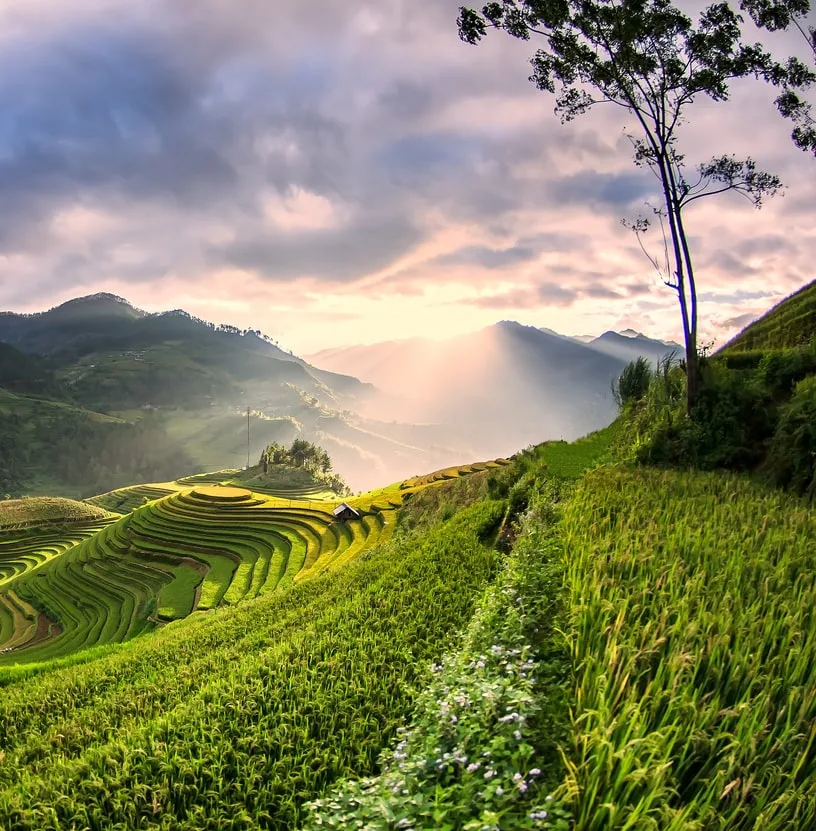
(247, 467)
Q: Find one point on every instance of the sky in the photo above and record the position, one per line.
(340, 173)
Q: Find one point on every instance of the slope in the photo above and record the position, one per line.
(233, 720)
(115, 356)
(195, 379)
(790, 323)
(59, 448)
(182, 547)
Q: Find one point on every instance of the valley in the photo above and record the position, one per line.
(149, 395)
(568, 637)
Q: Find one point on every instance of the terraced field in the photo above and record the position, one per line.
(24, 552)
(451, 473)
(175, 550)
(125, 500)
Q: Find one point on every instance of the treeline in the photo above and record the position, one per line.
(301, 453)
(81, 456)
(306, 456)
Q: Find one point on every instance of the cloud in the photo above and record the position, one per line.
(257, 151)
(734, 297)
(543, 294)
(740, 321)
(362, 247)
(486, 257)
(613, 190)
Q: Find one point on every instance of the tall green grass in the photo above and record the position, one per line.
(693, 638)
(483, 748)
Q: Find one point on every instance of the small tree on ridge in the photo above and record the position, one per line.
(652, 60)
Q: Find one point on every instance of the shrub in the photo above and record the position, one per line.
(743, 360)
(729, 426)
(780, 370)
(633, 383)
(792, 456)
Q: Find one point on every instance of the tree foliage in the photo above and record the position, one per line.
(776, 15)
(301, 454)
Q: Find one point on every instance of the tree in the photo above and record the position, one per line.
(653, 61)
(777, 15)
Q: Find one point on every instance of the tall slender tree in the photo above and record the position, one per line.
(653, 61)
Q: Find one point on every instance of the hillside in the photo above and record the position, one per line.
(173, 548)
(184, 381)
(28, 374)
(54, 447)
(790, 323)
(277, 708)
(112, 355)
(561, 640)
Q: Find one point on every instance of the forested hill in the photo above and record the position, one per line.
(28, 374)
(114, 356)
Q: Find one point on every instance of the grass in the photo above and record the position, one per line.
(176, 598)
(483, 744)
(125, 500)
(645, 660)
(694, 648)
(790, 323)
(569, 460)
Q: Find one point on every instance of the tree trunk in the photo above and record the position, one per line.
(692, 359)
(692, 376)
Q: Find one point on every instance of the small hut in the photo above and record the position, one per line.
(345, 512)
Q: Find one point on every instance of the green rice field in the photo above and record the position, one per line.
(175, 548)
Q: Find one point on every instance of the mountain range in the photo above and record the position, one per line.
(504, 386)
(383, 412)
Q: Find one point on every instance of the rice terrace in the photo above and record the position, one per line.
(450, 461)
(183, 549)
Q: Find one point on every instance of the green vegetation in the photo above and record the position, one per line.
(792, 456)
(27, 374)
(179, 549)
(233, 721)
(754, 407)
(280, 463)
(177, 599)
(38, 510)
(790, 323)
(634, 381)
(483, 745)
(693, 642)
(107, 588)
(559, 640)
(56, 448)
(125, 500)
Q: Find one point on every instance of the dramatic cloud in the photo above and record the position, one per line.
(348, 172)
